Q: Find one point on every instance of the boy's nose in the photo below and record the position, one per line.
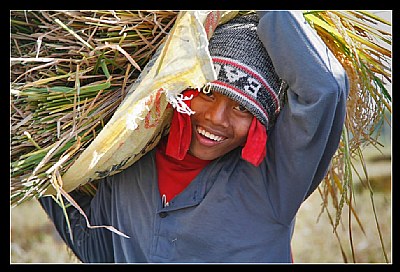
(218, 113)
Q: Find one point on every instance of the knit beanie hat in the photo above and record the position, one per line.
(246, 75)
(244, 69)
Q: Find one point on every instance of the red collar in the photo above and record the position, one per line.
(173, 174)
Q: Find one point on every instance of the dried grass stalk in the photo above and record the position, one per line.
(69, 73)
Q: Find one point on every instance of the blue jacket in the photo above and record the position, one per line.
(232, 211)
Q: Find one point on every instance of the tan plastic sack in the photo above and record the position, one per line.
(142, 118)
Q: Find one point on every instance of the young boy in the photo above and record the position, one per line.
(226, 183)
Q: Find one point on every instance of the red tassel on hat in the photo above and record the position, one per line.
(180, 133)
(255, 147)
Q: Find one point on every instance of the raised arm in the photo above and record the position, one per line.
(308, 129)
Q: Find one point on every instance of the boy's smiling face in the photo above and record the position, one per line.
(219, 125)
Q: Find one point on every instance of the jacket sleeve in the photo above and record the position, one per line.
(90, 245)
(308, 130)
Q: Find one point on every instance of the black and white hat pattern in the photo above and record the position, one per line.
(244, 69)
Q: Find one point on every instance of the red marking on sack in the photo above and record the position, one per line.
(153, 117)
(211, 22)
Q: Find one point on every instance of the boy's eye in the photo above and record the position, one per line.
(207, 92)
(241, 108)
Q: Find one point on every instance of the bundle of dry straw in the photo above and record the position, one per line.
(362, 44)
(70, 70)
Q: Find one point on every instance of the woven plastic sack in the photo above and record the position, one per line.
(143, 117)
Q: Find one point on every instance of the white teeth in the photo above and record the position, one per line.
(209, 135)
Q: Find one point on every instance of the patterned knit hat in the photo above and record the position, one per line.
(244, 69)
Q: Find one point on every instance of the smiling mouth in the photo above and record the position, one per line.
(210, 135)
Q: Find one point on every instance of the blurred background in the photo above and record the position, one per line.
(33, 237)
